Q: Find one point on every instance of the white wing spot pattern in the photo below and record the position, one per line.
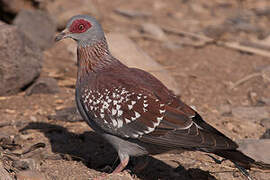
(118, 107)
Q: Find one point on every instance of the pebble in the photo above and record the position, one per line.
(45, 85)
(154, 30)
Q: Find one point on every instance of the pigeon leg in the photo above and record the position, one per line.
(124, 159)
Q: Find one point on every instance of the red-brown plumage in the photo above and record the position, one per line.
(134, 111)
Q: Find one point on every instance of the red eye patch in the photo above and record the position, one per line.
(79, 26)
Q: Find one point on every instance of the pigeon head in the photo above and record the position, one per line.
(84, 29)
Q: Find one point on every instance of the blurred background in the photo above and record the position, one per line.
(214, 54)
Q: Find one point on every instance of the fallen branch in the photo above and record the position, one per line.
(188, 34)
(237, 46)
(243, 80)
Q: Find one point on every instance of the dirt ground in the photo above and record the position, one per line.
(71, 150)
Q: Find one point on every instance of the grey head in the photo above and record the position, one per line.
(84, 29)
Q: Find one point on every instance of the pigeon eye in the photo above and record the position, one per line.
(81, 27)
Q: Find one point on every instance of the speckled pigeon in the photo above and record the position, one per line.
(132, 109)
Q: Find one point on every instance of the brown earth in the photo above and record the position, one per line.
(204, 75)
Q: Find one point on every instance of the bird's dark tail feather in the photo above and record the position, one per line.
(241, 159)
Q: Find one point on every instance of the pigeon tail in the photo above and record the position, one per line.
(241, 159)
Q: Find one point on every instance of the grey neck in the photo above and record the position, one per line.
(92, 37)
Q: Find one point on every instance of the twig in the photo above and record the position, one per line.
(237, 46)
(189, 34)
(3, 124)
(243, 80)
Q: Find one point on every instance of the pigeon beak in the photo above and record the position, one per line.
(64, 34)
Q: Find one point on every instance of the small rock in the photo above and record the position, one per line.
(30, 175)
(256, 149)
(43, 85)
(7, 142)
(70, 114)
(266, 134)
(132, 13)
(225, 109)
(254, 99)
(265, 123)
(251, 113)
(26, 164)
(20, 58)
(20, 164)
(63, 10)
(38, 26)
(154, 30)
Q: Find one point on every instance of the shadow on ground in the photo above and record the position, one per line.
(97, 154)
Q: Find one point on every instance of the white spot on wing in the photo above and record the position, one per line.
(120, 112)
(149, 129)
(118, 106)
(127, 120)
(114, 111)
(137, 115)
(120, 123)
(114, 122)
(130, 107)
(102, 116)
(198, 126)
(162, 111)
(193, 107)
(158, 121)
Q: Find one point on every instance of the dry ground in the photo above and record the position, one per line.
(204, 75)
